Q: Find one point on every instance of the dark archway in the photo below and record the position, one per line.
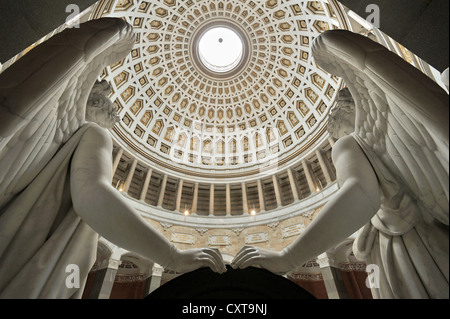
(249, 283)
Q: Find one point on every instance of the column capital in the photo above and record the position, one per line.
(332, 277)
(110, 263)
(326, 260)
(155, 281)
(157, 270)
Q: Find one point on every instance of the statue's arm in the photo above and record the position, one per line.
(106, 211)
(354, 204)
(349, 209)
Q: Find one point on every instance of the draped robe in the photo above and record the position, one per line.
(402, 127)
(43, 100)
(41, 234)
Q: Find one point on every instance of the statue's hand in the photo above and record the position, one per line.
(184, 261)
(275, 261)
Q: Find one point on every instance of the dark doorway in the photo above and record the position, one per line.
(249, 283)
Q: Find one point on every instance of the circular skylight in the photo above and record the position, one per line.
(220, 49)
(207, 119)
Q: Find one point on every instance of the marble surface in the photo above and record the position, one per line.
(445, 77)
(392, 171)
(56, 169)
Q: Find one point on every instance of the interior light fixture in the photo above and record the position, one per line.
(120, 185)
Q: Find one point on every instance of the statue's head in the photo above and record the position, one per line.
(99, 108)
(341, 121)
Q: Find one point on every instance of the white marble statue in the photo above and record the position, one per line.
(56, 168)
(445, 78)
(391, 160)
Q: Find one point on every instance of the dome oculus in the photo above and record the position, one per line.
(262, 114)
(220, 49)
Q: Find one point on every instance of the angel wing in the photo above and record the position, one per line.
(43, 96)
(401, 114)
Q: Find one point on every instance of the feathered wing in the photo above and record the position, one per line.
(43, 96)
(401, 114)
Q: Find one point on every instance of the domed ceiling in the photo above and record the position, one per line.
(195, 110)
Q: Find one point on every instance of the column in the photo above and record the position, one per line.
(312, 186)
(117, 160)
(293, 184)
(179, 193)
(195, 199)
(276, 188)
(332, 277)
(211, 200)
(104, 280)
(163, 190)
(261, 196)
(144, 190)
(130, 175)
(244, 198)
(155, 280)
(324, 166)
(228, 199)
(331, 140)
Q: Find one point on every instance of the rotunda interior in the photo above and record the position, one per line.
(223, 136)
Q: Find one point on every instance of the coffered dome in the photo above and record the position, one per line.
(190, 109)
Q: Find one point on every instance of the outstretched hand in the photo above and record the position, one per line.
(184, 261)
(274, 261)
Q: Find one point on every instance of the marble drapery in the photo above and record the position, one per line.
(401, 124)
(41, 234)
(392, 165)
(43, 99)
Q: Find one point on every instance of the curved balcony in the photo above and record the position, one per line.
(296, 190)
